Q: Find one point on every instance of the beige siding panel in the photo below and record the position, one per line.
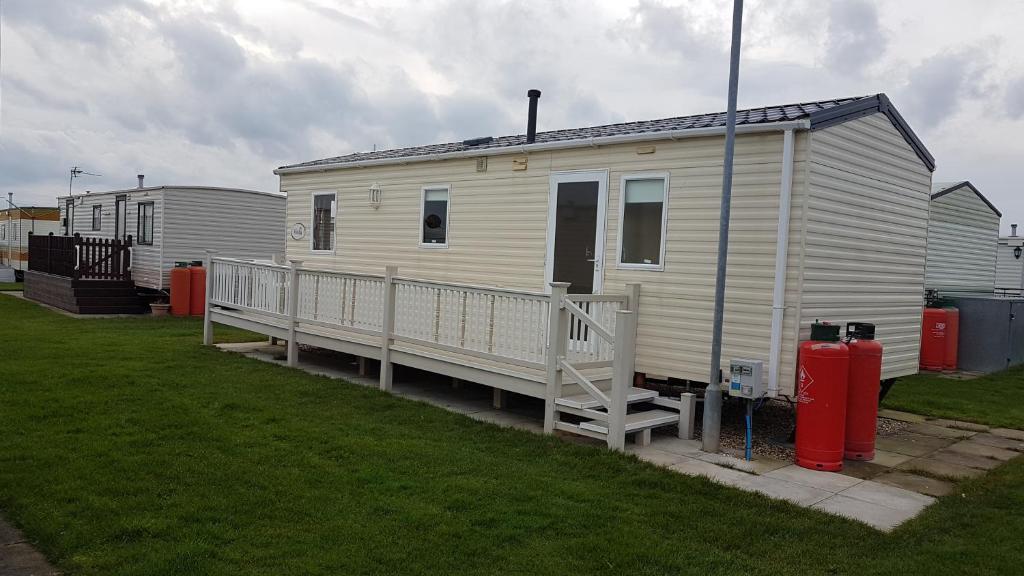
(963, 233)
(498, 230)
(866, 233)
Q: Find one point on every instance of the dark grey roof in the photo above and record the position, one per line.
(940, 189)
(821, 114)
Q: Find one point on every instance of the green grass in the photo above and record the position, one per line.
(994, 399)
(11, 286)
(126, 448)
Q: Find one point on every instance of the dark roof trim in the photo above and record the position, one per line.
(866, 107)
(967, 184)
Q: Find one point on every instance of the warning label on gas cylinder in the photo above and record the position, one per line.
(803, 385)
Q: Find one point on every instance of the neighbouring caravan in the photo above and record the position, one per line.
(178, 223)
(1010, 264)
(963, 234)
(16, 224)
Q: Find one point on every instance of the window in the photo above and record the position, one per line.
(642, 220)
(434, 217)
(3, 231)
(97, 217)
(69, 217)
(325, 210)
(145, 235)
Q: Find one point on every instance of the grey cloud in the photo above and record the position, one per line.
(855, 38)
(669, 29)
(937, 86)
(1015, 98)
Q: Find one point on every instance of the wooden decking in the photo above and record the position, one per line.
(564, 348)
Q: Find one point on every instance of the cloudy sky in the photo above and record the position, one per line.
(221, 92)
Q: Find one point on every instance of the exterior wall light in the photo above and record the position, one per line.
(1017, 252)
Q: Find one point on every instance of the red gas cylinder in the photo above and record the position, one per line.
(180, 289)
(933, 339)
(197, 296)
(952, 338)
(822, 377)
(862, 394)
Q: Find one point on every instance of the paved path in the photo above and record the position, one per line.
(18, 557)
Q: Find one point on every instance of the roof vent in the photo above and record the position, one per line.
(141, 177)
(531, 117)
(478, 141)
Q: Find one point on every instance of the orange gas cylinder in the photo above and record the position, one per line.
(822, 374)
(862, 395)
(933, 339)
(180, 288)
(197, 298)
(952, 338)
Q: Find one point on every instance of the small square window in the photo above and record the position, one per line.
(97, 218)
(325, 208)
(434, 217)
(642, 221)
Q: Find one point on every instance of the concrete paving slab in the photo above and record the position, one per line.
(928, 429)
(863, 470)
(912, 444)
(655, 456)
(800, 494)
(969, 460)
(24, 560)
(679, 446)
(959, 424)
(889, 496)
(901, 416)
(1009, 433)
(979, 449)
(727, 476)
(827, 481)
(916, 483)
(9, 534)
(940, 469)
(889, 459)
(993, 439)
(758, 465)
(874, 515)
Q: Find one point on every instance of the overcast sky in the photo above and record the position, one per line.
(220, 92)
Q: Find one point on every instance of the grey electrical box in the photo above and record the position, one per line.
(746, 378)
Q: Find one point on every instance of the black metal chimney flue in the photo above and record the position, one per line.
(1013, 230)
(531, 119)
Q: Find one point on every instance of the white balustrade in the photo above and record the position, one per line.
(351, 301)
(249, 286)
(584, 346)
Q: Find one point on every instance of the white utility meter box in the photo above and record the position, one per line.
(745, 380)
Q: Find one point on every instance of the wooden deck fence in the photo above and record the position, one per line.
(80, 258)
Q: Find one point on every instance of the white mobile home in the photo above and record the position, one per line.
(963, 233)
(1010, 264)
(16, 224)
(829, 221)
(178, 223)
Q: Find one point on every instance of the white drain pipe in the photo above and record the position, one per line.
(781, 257)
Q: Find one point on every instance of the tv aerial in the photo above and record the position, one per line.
(77, 172)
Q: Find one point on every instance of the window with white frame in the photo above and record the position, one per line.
(434, 217)
(145, 232)
(97, 217)
(325, 209)
(642, 220)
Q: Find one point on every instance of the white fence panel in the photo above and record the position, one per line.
(241, 284)
(344, 300)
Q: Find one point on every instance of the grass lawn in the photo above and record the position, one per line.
(995, 399)
(127, 448)
(11, 286)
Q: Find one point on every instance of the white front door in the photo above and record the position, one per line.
(576, 220)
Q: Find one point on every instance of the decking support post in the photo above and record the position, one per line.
(632, 297)
(498, 399)
(387, 328)
(622, 377)
(293, 311)
(207, 322)
(557, 321)
(687, 413)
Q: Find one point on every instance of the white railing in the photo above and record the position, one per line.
(351, 301)
(585, 348)
(498, 324)
(249, 286)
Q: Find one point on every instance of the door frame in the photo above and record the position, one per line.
(120, 227)
(556, 178)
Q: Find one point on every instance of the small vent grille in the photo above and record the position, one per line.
(481, 164)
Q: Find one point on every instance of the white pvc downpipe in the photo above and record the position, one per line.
(781, 260)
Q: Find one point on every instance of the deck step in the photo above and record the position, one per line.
(586, 401)
(636, 421)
